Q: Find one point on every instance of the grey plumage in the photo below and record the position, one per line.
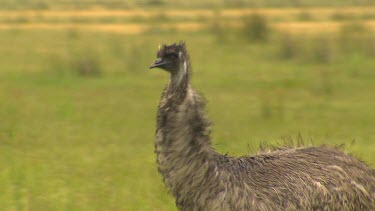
(306, 178)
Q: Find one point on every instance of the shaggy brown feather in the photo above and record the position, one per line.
(305, 178)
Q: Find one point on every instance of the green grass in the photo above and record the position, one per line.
(118, 4)
(71, 142)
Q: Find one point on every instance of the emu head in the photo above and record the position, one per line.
(172, 58)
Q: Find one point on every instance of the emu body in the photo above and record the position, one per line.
(310, 178)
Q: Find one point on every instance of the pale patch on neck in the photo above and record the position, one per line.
(177, 78)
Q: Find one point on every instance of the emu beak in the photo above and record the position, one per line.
(158, 62)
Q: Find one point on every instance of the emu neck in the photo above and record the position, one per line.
(182, 140)
(180, 78)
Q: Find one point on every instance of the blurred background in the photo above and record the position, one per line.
(78, 102)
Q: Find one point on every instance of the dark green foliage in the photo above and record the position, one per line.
(256, 28)
(75, 63)
(341, 16)
(304, 16)
(289, 46)
(40, 5)
(219, 30)
(155, 2)
(238, 3)
(310, 48)
(354, 38)
(86, 65)
(160, 18)
(322, 49)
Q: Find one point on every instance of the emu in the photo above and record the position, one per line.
(305, 178)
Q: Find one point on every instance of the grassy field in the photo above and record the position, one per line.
(78, 106)
(316, 19)
(163, 4)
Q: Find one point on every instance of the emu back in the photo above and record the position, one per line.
(307, 178)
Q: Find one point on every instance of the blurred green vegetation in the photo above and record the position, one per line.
(78, 108)
(118, 4)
